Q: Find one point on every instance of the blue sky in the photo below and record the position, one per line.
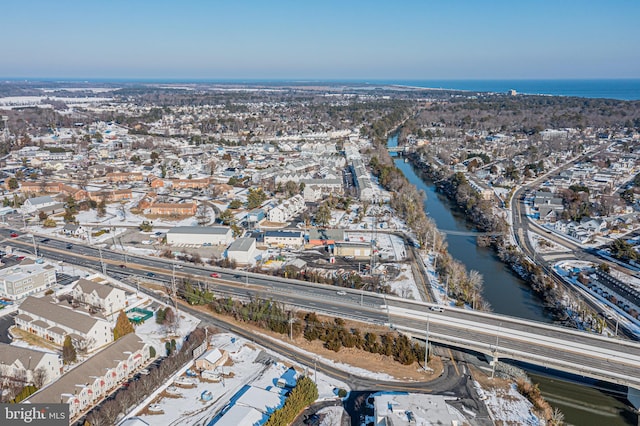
(268, 39)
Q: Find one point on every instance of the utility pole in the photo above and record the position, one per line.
(35, 248)
(173, 288)
(315, 370)
(426, 346)
(495, 352)
(104, 267)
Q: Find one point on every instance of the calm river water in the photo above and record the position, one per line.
(581, 404)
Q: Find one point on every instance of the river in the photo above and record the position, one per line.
(582, 404)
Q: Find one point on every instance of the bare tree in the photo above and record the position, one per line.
(202, 215)
(40, 377)
(109, 412)
(95, 418)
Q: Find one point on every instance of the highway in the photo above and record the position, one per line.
(590, 355)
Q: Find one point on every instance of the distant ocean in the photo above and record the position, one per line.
(624, 89)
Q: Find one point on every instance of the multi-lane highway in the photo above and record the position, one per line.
(613, 360)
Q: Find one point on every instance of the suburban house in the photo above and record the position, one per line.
(53, 322)
(104, 297)
(25, 279)
(82, 386)
(199, 235)
(284, 238)
(211, 359)
(242, 251)
(19, 362)
(71, 229)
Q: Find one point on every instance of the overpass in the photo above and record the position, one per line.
(500, 336)
(497, 336)
(398, 148)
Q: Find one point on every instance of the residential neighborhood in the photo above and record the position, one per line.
(123, 218)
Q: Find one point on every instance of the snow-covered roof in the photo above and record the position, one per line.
(262, 400)
(240, 415)
(212, 356)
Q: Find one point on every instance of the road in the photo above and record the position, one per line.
(565, 349)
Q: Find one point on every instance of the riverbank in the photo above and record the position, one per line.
(482, 216)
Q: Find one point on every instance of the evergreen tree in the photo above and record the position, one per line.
(123, 326)
(69, 354)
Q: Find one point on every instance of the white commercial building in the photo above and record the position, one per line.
(242, 251)
(200, 235)
(284, 238)
(24, 280)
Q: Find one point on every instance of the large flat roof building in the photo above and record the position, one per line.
(199, 235)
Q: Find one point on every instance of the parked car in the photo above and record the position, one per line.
(69, 246)
(151, 274)
(14, 235)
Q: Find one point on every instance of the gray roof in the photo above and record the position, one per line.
(9, 354)
(242, 244)
(87, 287)
(284, 233)
(44, 307)
(45, 199)
(71, 227)
(96, 366)
(197, 230)
(326, 234)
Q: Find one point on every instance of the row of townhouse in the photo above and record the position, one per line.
(111, 196)
(25, 363)
(29, 187)
(90, 381)
(96, 293)
(125, 177)
(317, 189)
(362, 179)
(287, 210)
(54, 322)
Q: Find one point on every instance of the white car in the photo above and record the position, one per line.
(341, 293)
(437, 309)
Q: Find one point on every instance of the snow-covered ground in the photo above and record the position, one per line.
(545, 245)
(248, 368)
(155, 334)
(404, 285)
(508, 407)
(344, 367)
(390, 246)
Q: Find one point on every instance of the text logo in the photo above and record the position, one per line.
(34, 414)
